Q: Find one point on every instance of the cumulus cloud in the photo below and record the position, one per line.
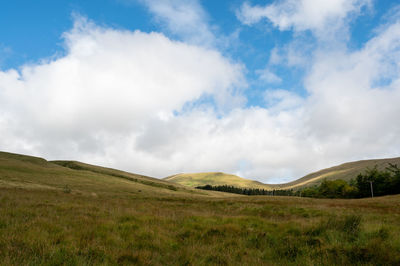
(357, 93)
(119, 98)
(109, 82)
(249, 142)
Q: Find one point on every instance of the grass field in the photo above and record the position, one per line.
(54, 215)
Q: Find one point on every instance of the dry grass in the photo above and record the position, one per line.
(89, 218)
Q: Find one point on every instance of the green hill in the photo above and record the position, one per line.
(27, 172)
(214, 179)
(344, 171)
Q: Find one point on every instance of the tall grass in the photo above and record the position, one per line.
(54, 227)
(54, 215)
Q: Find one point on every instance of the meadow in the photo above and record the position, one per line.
(54, 215)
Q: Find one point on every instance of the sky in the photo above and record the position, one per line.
(268, 90)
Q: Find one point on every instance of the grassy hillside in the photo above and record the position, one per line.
(27, 172)
(56, 214)
(214, 179)
(344, 171)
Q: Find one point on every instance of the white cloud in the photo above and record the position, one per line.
(297, 53)
(111, 100)
(302, 15)
(106, 86)
(281, 100)
(268, 76)
(199, 141)
(185, 18)
(348, 95)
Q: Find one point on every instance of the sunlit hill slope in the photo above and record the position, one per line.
(27, 172)
(214, 179)
(344, 171)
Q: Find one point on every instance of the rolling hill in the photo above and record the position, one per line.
(28, 172)
(344, 171)
(33, 172)
(214, 179)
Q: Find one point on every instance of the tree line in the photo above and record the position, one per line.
(373, 182)
(248, 191)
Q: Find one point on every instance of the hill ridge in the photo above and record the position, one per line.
(183, 181)
(345, 171)
(29, 172)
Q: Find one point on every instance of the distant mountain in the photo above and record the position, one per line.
(214, 179)
(344, 171)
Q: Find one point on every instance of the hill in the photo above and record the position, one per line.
(344, 171)
(28, 172)
(214, 179)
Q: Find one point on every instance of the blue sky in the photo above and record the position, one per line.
(271, 89)
(34, 32)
